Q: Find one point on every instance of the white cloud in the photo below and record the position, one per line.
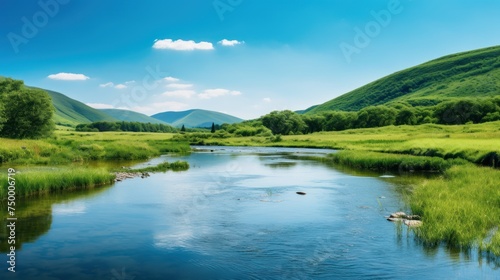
(68, 77)
(100, 105)
(171, 79)
(118, 86)
(211, 93)
(181, 45)
(267, 99)
(180, 86)
(130, 82)
(180, 93)
(230, 43)
(110, 84)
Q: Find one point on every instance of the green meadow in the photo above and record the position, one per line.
(67, 161)
(459, 206)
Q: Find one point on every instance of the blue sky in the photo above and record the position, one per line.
(241, 57)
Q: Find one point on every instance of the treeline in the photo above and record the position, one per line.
(125, 126)
(449, 112)
(24, 112)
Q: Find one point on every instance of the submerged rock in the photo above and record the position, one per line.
(409, 220)
(120, 176)
(412, 223)
(301, 193)
(397, 215)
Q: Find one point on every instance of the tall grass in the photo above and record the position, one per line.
(32, 183)
(80, 147)
(164, 166)
(384, 161)
(462, 208)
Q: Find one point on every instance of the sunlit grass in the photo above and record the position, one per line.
(461, 208)
(477, 143)
(36, 182)
(66, 147)
(384, 161)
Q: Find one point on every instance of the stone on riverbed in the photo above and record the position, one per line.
(397, 215)
(409, 220)
(412, 223)
(120, 176)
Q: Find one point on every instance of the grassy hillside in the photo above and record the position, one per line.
(130, 116)
(195, 118)
(469, 74)
(73, 112)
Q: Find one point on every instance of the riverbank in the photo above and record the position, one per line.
(476, 143)
(70, 147)
(459, 207)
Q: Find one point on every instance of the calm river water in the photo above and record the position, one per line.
(234, 214)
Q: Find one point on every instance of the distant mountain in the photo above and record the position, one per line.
(130, 116)
(73, 112)
(195, 118)
(469, 74)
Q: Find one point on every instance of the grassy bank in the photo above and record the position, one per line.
(394, 162)
(38, 182)
(476, 143)
(460, 209)
(66, 147)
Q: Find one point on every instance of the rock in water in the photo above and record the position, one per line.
(412, 223)
(398, 215)
(301, 193)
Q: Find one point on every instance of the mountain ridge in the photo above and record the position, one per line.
(131, 116)
(195, 118)
(473, 73)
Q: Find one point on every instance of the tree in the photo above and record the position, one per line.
(183, 129)
(27, 112)
(406, 116)
(213, 128)
(284, 122)
(376, 116)
(2, 115)
(337, 121)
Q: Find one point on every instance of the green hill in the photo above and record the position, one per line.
(196, 118)
(469, 74)
(130, 116)
(73, 112)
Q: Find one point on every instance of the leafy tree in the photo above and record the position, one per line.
(336, 121)
(27, 112)
(183, 129)
(406, 116)
(213, 128)
(376, 116)
(314, 123)
(284, 122)
(464, 110)
(2, 116)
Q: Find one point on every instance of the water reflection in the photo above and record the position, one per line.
(34, 215)
(234, 215)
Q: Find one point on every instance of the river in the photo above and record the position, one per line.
(234, 214)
